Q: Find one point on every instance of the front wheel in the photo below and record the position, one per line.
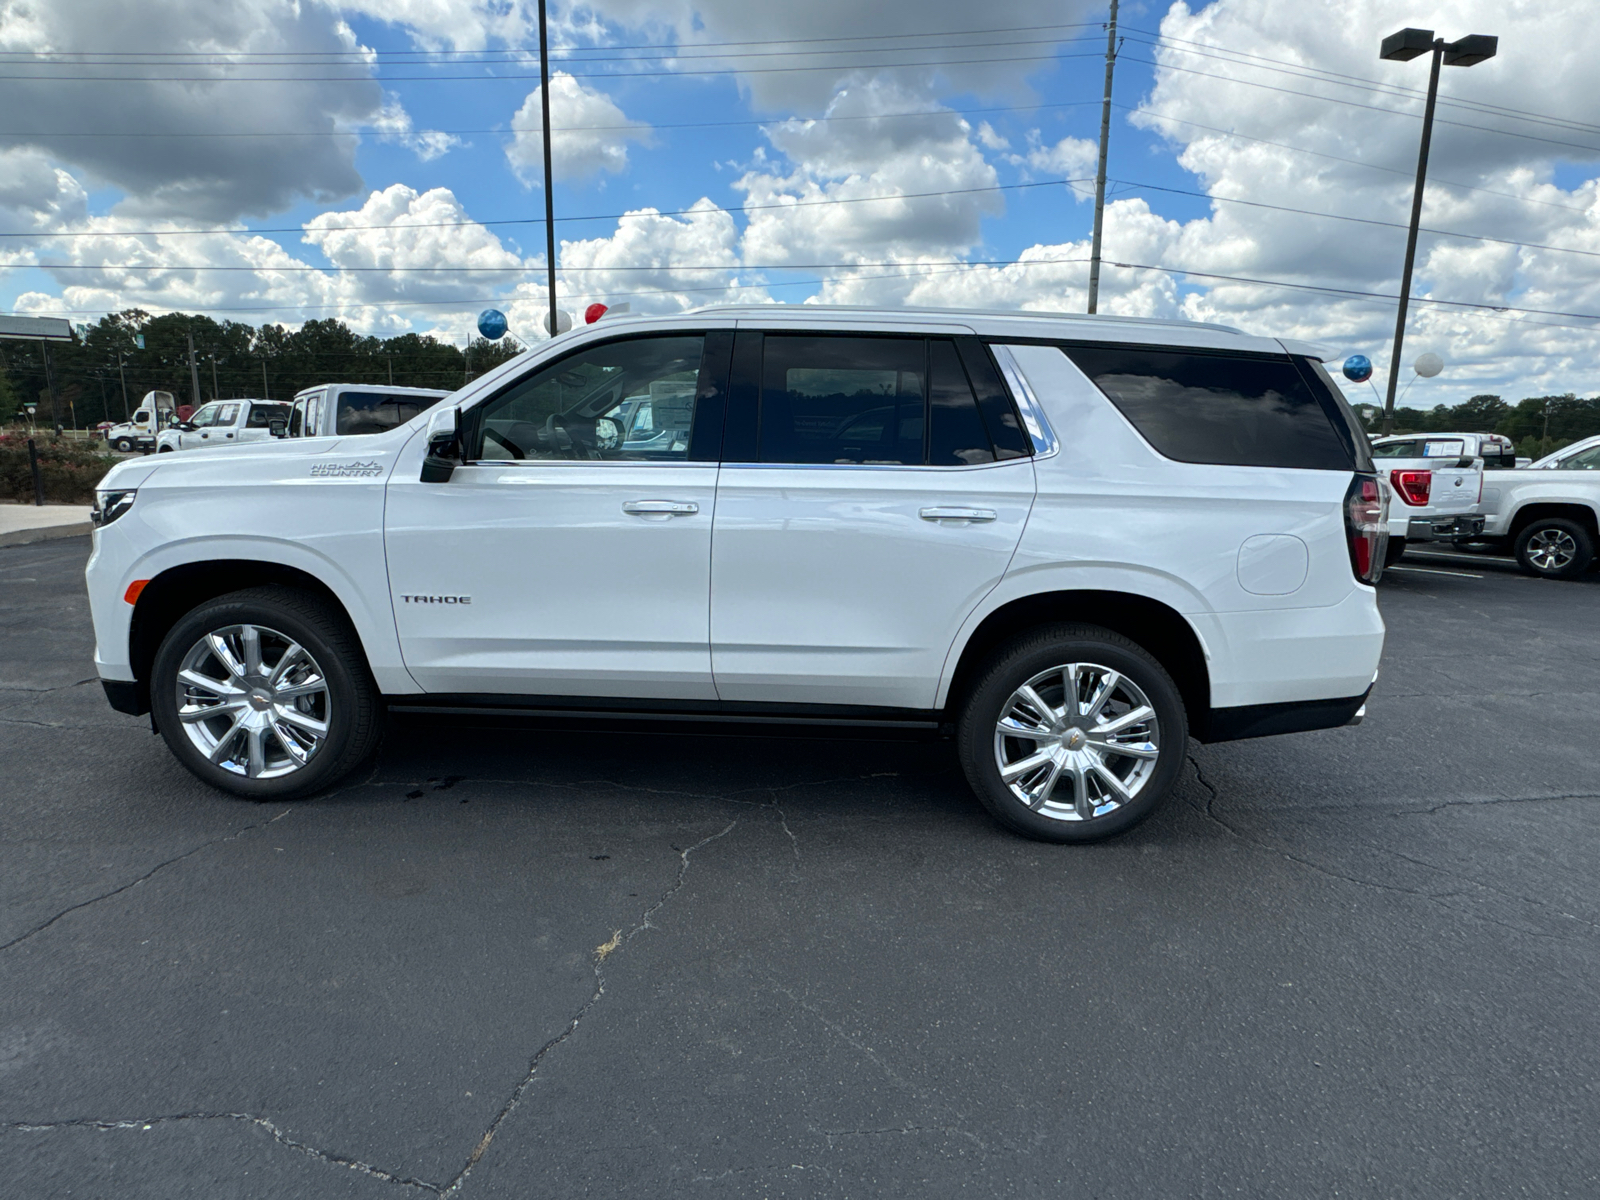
(123, 445)
(1554, 547)
(1073, 733)
(265, 693)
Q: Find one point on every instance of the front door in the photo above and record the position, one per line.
(566, 559)
(875, 506)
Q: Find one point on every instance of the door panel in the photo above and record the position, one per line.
(566, 593)
(830, 586)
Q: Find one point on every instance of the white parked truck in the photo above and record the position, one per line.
(226, 423)
(1437, 480)
(345, 409)
(155, 412)
(1548, 515)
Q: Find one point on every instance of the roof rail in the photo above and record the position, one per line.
(1097, 318)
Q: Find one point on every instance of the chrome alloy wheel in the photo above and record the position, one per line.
(1077, 742)
(253, 701)
(1552, 549)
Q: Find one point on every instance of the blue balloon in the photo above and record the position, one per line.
(1358, 368)
(492, 324)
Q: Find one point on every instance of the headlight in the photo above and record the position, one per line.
(108, 506)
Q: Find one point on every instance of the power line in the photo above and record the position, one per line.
(1354, 162)
(865, 37)
(668, 54)
(1357, 104)
(1341, 79)
(377, 131)
(1306, 212)
(867, 66)
(636, 215)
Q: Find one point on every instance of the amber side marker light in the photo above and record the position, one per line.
(134, 588)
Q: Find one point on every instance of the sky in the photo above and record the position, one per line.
(381, 161)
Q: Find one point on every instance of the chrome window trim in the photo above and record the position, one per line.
(1045, 442)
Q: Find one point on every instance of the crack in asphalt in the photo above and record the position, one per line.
(900, 1081)
(453, 1187)
(601, 953)
(283, 1139)
(1209, 811)
(159, 867)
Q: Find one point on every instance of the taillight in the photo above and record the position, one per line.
(1366, 524)
(1413, 486)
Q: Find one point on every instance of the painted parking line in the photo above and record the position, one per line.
(1433, 571)
(1477, 558)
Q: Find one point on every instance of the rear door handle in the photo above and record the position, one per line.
(661, 508)
(957, 514)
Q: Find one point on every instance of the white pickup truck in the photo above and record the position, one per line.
(224, 423)
(1548, 514)
(343, 409)
(1438, 487)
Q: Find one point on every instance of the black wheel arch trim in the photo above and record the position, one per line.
(1266, 720)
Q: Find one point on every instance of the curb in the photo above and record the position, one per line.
(24, 537)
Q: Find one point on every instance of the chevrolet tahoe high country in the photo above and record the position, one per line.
(1071, 542)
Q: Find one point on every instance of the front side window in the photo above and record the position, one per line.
(1587, 460)
(629, 400)
(206, 416)
(1226, 409)
(297, 419)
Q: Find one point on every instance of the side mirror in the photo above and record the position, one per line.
(278, 427)
(444, 446)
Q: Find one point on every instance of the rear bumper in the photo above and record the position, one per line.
(1443, 529)
(1295, 716)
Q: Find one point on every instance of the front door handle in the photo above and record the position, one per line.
(957, 514)
(660, 508)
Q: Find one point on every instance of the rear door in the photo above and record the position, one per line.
(865, 507)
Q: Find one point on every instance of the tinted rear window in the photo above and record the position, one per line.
(372, 412)
(262, 415)
(1217, 408)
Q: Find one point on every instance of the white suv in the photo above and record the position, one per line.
(1073, 542)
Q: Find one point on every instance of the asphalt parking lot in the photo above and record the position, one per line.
(1361, 962)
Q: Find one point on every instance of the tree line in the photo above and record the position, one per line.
(232, 360)
(1537, 425)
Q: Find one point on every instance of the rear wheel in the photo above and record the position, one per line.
(1554, 547)
(265, 693)
(1073, 733)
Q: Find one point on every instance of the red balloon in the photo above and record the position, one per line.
(593, 313)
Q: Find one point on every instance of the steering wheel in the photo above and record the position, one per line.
(603, 434)
(501, 440)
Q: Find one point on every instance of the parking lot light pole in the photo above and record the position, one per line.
(1403, 47)
(549, 183)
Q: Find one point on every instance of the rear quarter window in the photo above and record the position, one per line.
(1224, 409)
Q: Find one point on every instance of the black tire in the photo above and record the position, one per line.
(1554, 548)
(355, 724)
(123, 445)
(1397, 548)
(1019, 661)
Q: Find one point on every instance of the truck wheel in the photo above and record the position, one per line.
(265, 693)
(123, 445)
(1554, 547)
(1072, 733)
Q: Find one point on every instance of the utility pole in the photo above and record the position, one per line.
(50, 384)
(216, 392)
(1403, 47)
(549, 182)
(266, 392)
(124, 374)
(1100, 169)
(391, 370)
(194, 370)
